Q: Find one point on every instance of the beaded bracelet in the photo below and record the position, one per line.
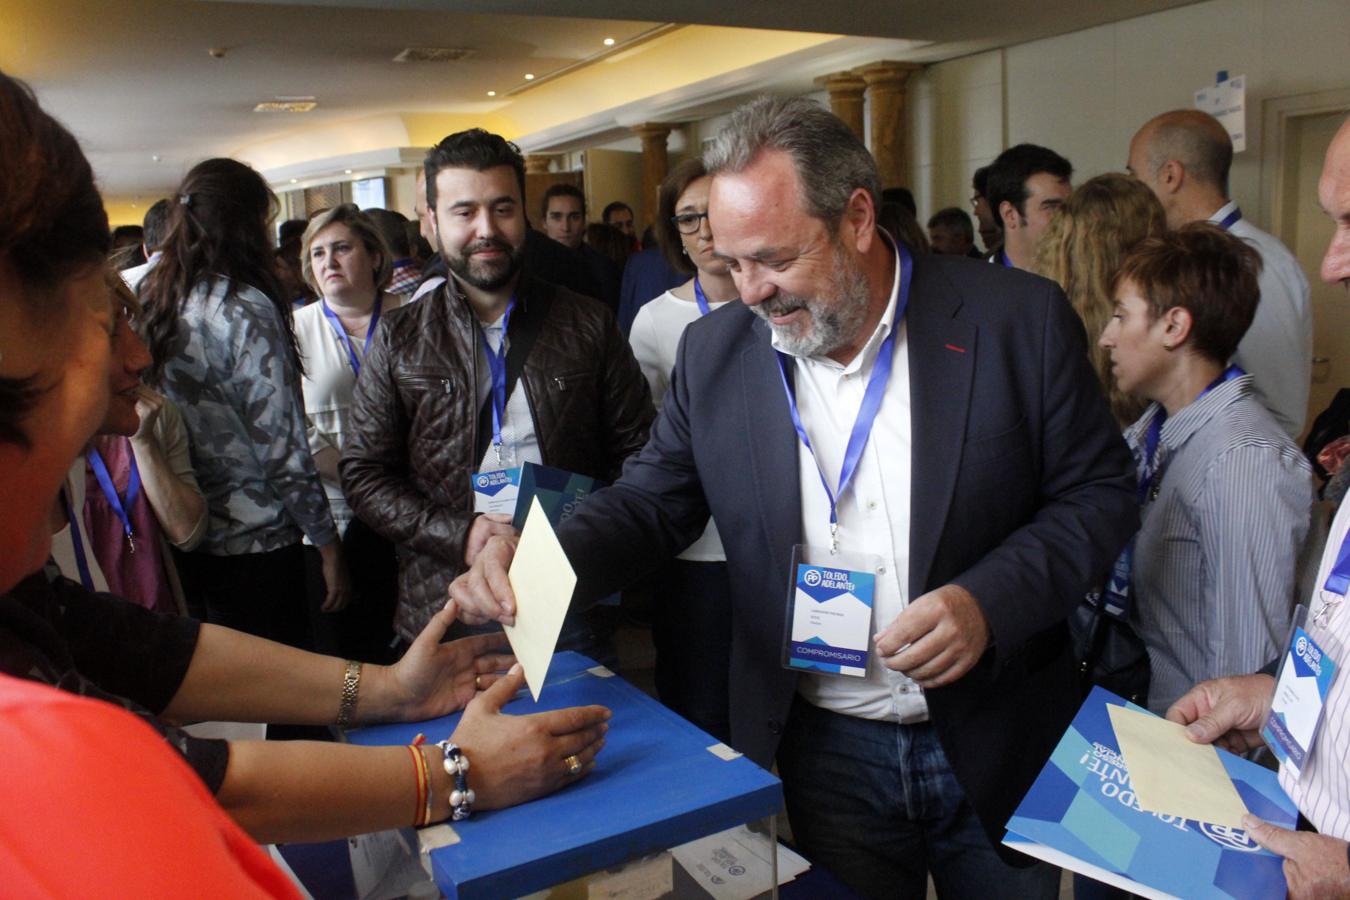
(457, 766)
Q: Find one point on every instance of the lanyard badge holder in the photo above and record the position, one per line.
(495, 489)
(828, 625)
(1115, 597)
(1307, 671)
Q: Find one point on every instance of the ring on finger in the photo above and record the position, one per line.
(573, 765)
(478, 682)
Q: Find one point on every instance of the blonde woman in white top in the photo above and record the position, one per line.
(345, 260)
(692, 621)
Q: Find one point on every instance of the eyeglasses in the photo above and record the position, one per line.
(689, 223)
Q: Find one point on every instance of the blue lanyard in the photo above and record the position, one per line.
(1154, 434)
(1003, 259)
(1338, 579)
(83, 564)
(1227, 221)
(701, 298)
(867, 412)
(122, 507)
(342, 332)
(497, 365)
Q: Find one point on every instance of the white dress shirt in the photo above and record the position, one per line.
(1277, 348)
(1322, 794)
(519, 443)
(873, 513)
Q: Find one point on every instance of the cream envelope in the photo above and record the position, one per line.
(543, 581)
(1172, 775)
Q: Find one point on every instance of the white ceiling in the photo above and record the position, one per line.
(134, 80)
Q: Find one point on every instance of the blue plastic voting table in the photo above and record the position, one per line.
(655, 785)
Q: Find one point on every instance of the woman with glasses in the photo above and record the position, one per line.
(691, 624)
(133, 487)
(346, 262)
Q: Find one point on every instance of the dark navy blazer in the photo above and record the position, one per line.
(1021, 492)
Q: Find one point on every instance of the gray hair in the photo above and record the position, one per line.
(830, 160)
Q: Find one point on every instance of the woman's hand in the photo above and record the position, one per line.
(337, 582)
(433, 679)
(148, 406)
(517, 758)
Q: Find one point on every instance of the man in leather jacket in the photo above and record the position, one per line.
(431, 407)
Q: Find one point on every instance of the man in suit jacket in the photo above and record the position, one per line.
(992, 490)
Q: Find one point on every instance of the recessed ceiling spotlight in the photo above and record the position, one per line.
(492, 93)
(529, 76)
(609, 42)
(154, 157)
(347, 171)
(294, 180)
(285, 106)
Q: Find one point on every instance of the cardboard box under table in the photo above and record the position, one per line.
(659, 782)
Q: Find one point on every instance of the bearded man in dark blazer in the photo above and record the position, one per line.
(932, 416)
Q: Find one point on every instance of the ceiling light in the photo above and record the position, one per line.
(285, 106)
(492, 93)
(294, 180)
(529, 76)
(609, 42)
(347, 171)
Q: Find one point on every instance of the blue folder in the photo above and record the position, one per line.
(1081, 814)
(655, 785)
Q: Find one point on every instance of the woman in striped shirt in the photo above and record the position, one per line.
(1226, 495)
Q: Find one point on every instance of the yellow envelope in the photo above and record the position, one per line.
(1172, 775)
(543, 581)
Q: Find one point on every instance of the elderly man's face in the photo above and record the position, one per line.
(1333, 191)
(790, 268)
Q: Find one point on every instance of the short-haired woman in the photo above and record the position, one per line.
(345, 260)
(1227, 496)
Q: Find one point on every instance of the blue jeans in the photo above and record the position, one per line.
(877, 804)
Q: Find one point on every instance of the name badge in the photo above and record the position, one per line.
(1300, 698)
(495, 491)
(829, 616)
(1115, 596)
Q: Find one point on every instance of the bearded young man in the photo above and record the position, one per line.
(938, 421)
(493, 369)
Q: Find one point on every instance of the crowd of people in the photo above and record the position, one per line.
(240, 464)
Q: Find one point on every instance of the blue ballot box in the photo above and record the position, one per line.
(659, 782)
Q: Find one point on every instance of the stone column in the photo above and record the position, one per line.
(539, 163)
(655, 164)
(890, 137)
(846, 99)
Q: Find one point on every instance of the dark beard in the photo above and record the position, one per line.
(485, 276)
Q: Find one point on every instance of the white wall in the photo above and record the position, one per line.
(956, 126)
(1084, 94)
